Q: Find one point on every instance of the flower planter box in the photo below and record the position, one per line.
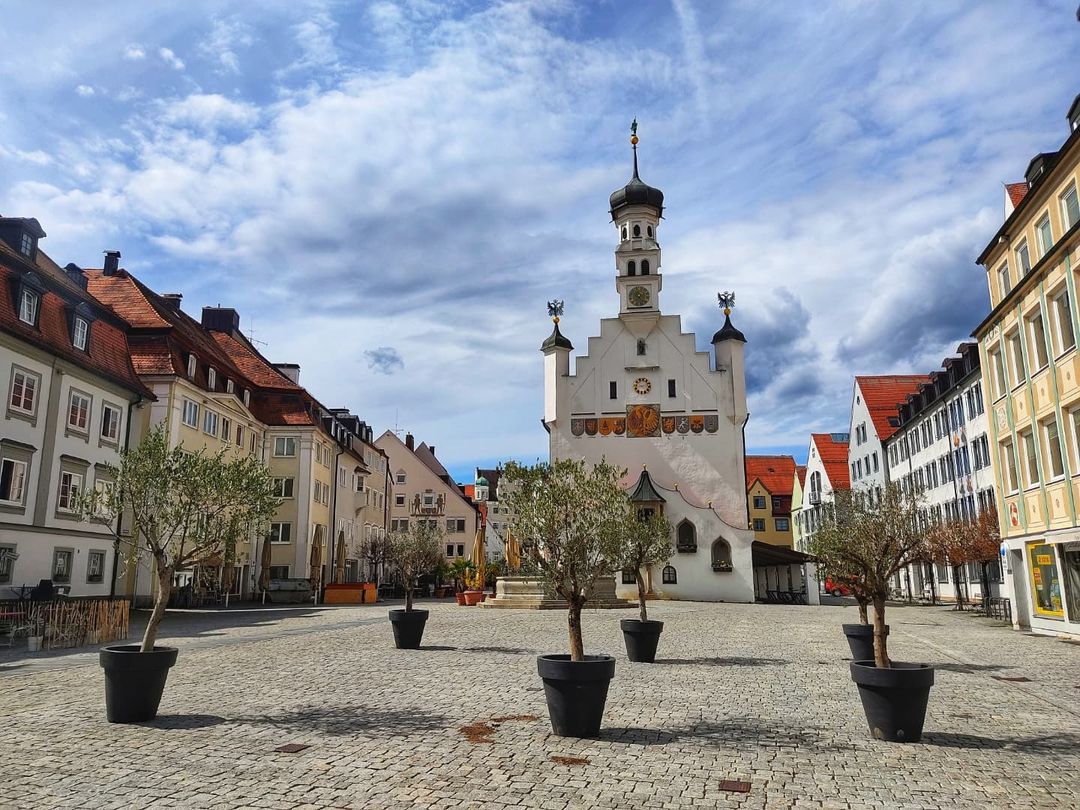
(347, 593)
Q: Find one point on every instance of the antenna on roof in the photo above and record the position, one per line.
(251, 335)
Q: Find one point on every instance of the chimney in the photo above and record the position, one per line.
(172, 300)
(409, 440)
(112, 262)
(221, 319)
(431, 447)
(290, 370)
(75, 273)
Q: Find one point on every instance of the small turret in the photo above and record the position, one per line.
(556, 351)
(729, 346)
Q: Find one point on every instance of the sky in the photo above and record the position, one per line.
(389, 192)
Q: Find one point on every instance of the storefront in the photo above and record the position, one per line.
(1050, 582)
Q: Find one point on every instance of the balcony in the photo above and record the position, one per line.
(814, 497)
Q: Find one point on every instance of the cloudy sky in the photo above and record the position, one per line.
(389, 192)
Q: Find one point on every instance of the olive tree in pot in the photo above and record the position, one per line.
(646, 542)
(570, 517)
(872, 536)
(183, 508)
(415, 551)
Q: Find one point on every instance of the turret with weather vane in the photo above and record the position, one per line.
(729, 353)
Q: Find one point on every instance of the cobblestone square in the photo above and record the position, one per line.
(742, 692)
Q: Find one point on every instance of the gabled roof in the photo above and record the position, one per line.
(423, 452)
(884, 395)
(776, 473)
(833, 454)
(107, 353)
(800, 471)
(1016, 192)
(255, 367)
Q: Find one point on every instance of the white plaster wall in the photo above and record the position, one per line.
(860, 415)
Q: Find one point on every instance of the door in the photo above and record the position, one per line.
(1021, 603)
(1070, 558)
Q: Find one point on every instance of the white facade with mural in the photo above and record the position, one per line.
(644, 397)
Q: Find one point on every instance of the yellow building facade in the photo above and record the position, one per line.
(1031, 371)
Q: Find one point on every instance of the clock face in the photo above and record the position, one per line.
(642, 386)
(639, 296)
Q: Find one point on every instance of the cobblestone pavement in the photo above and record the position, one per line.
(746, 692)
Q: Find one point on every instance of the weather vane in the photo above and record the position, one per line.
(727, 301)
(555, 309)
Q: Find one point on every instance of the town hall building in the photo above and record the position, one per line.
(644, 398)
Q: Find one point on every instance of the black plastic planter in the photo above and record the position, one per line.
(641, 639)
(408, 628)
(860, 638)
(134, 681)
(576, 692)
(894, 699)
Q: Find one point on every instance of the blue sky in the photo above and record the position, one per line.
(389, 192)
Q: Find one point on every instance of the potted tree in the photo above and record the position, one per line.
(184, 507)
(570, 517)
(414, 551)
(872, 537)
(646, 542)
(460, 569)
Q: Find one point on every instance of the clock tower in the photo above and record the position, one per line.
(636, 210)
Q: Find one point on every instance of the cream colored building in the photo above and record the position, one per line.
(422, 490)
(1031, 376)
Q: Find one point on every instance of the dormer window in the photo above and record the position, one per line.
(26, 244)
(80, 333)
(247, 398)
(230, 387)
(29, 306)
(191, 366)
(211, 378)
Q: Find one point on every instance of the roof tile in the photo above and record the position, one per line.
(833, 455)
(884, 395)
(776, 473)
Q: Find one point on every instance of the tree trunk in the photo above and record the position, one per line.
(881, 651)
(408, 597)
(164, 590)
(573, 621)
(863, 618)
(641, 595)
(958, 587)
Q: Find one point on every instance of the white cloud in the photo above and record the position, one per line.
(208, 111)
(225, 38)
(134, 52)
(170, 58)
(85, 90)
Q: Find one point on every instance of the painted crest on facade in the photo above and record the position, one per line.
(712, 423)
(577, 426)
(605, 427)
(682, 424)
(668, 423)
(697, 423)
(618, 425)
(642, 421)
(590, 427)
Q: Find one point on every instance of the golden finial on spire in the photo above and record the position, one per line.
(555, 310)
(727, 301)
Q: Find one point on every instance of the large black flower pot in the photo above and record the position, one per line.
(641, 639)
(408, 627)
(576, 692)
(134, 681)
(894, 699)
(860, 638)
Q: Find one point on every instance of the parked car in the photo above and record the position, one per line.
(835, 588)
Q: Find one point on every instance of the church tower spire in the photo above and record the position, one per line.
(636, 210)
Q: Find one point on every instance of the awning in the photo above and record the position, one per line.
(764, 554)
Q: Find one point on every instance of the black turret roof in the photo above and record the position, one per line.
(556, 340)
(636, 192)
(728, 332)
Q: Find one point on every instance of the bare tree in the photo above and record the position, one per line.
(184, 507)
(570, 518)
(415, 551)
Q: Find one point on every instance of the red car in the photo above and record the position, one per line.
(836, 588)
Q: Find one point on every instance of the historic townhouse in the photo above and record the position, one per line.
(769, 483)
(423, 490)
(797, 498)
(70, 397)
(941, 449)
(826, 470)
(1031, 374)
(201, 396)
(874, 404)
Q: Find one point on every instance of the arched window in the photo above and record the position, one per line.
(629, 576)
(644, 267)
(686, 537)
(648, 230)
(637, 230)
(631, 268)
(624, 233)
(641, 347)
(669, 576)
(721, 555)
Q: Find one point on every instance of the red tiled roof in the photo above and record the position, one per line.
(776, 473)
(255, 367)
(1016, 192)
(884, 395)
(122, 295)
(107, 350)
(801, 472)
(833, 455)
(279, 408)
